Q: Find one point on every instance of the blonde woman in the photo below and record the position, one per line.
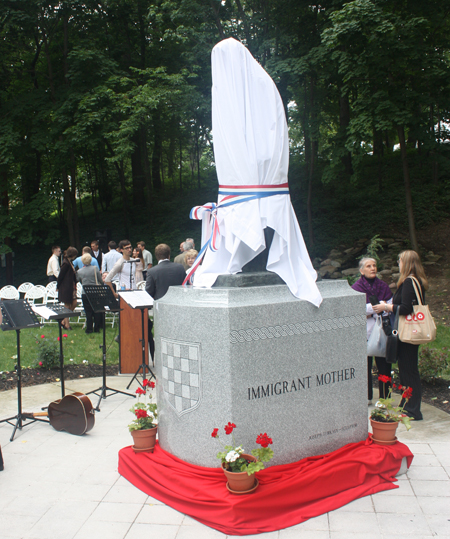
(189, 258)
(408, 354)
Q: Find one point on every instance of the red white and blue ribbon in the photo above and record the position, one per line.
(232, 194)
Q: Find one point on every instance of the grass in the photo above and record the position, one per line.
(77, 346)
(442, 341)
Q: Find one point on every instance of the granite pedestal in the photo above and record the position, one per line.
(264, 360)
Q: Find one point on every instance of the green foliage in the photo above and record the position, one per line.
(48, 353)
(78, 347)
(432, 363)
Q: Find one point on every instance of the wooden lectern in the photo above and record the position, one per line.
(130, 331)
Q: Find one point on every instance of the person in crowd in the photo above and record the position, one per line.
(78, 264)
(376, 290)
(89, 275)
(185, 246)
(110, 258)
(67, 283)
(408, 354)
(148, 259)
(160, 278)
(97, 253)
(164, 274)
(190, 257)
(124, 269)
(137, 255)
(53, 266)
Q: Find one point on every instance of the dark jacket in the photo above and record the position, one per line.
(160, 277)
(67, 280)
(405, 296)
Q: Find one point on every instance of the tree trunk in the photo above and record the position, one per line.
(378, 150)
(9, 274)
(409, 205)
(156, 157)
(344, 121)
(137, 171)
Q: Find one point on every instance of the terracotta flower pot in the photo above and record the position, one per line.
(384, 433)
(144, 440)
(241, 482)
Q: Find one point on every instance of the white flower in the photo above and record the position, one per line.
(71, 359)
(232, 456)
(379, 405)
(85, 361)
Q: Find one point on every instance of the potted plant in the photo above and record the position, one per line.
(386, 415)
(143, 428)
(239, 467)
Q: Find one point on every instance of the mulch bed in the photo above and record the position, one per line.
(32, 377)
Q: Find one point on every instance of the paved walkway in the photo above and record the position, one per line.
(60, 486)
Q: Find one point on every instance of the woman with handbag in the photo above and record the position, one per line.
(376, 290)
(411, 274)
(90, 275)
(67, 283)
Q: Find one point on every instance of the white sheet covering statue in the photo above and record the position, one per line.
(251, 149)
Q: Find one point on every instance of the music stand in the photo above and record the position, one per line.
(141, 300)
(56, 312)
(102, 300)
(17, 314)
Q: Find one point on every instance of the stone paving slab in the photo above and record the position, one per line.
(59, 486)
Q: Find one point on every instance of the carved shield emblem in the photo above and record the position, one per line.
(181, 374)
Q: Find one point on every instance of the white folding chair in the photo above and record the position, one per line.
(9, 292)
(52, 294)
(24, 287)
(36, 293)
(79, 308)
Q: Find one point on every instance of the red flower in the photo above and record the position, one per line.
(145, 382)
(263, 440)
(141, 414)
(215, 433)
(408, 393)
(400, 387)
(42, 336)
(229, 428)
(40, 363)
(383, 378)
(140, 391)
(65, 335)
(152, 385)
(58, 338)
(394, 386)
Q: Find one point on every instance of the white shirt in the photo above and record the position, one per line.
(123, 269)
(148, 259)
(109, 259)
(53, 266)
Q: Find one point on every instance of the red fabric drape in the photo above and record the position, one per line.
(287, 494)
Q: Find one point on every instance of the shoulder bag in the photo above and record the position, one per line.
(392, 342)
(417, 327)
(376, 345)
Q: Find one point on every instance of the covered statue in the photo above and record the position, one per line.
(251, 149)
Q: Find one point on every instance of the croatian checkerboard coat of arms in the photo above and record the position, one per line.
(181, 374)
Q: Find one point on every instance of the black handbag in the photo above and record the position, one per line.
(392, 343)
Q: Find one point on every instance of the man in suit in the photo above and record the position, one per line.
(164, 274)
(159, 279)
(96, 252)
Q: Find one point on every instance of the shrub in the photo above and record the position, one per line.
(48, 353)
(432, 363)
